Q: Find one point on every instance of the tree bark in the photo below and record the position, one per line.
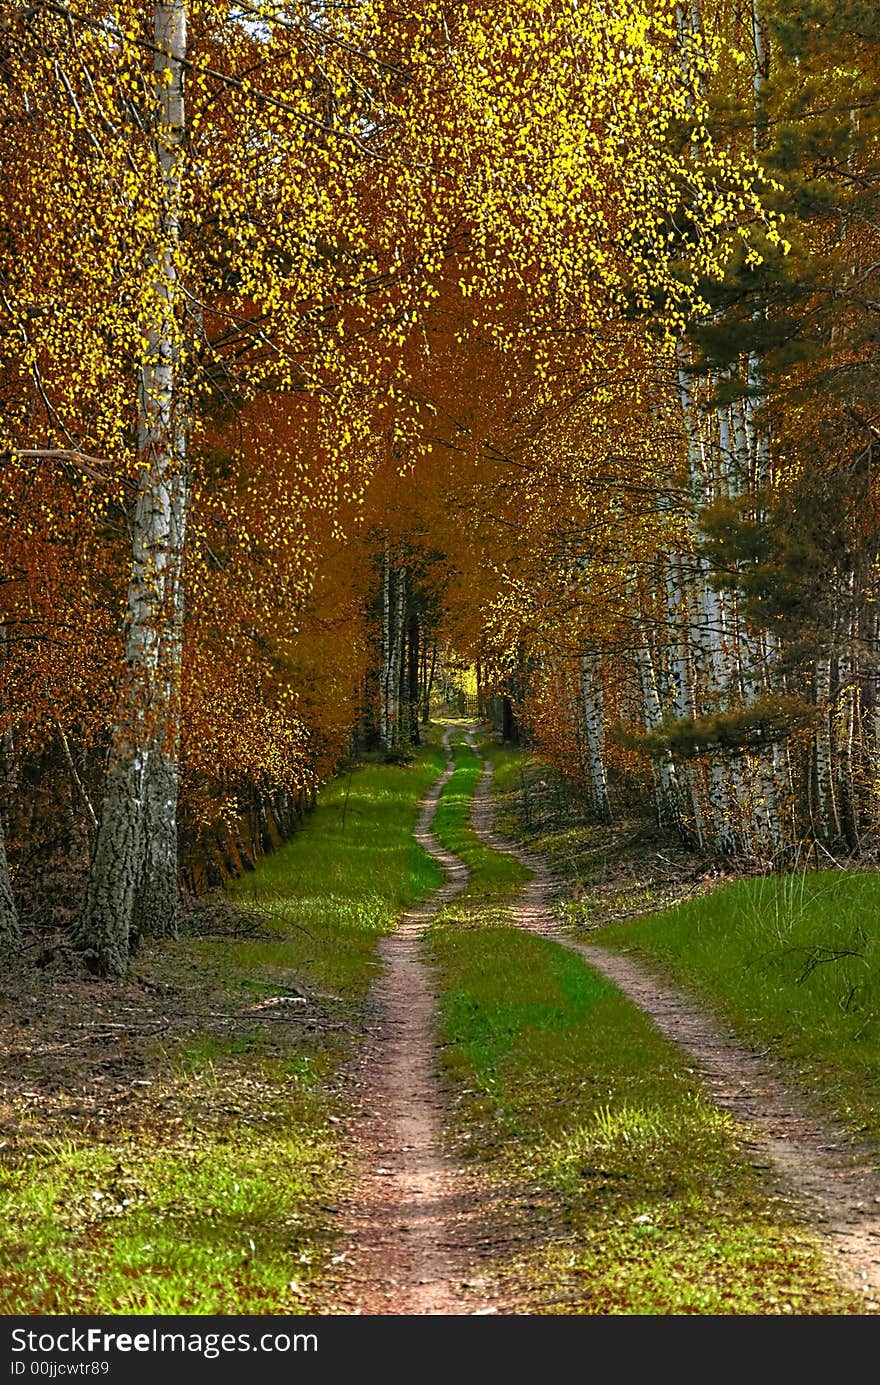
(665, 778)
(413, 692)
(684, 695)
(846, 718)
(829, 819)
(10, 932)
(135, 855)
(429, 683)
(399, 680)
(385, 684)
(594, 728)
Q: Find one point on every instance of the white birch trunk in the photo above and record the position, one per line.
(710, 618)
(143, 753)
(826, 796)
(429, 683)
(718, 785)
(742, 794)
(384, 710)
(741, 443)
(594, 731)
(665, 779)
(402, 669)
(156, 909)
(10, 933)
(743, 461)
(399, 729)
(762, 49)
(393, 637)
(845, 718)
(702, 619)
(683, 691)
(757, 447)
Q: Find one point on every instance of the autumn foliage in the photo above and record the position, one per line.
(331, 340)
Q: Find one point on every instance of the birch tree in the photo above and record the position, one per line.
(134, 881)
(10, 935)
(594, 732)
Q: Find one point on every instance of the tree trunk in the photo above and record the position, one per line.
(385, 689)
(429, 684)
(423, 676)
(413, 692)
(684, 694)
(663, 766)
(157, 903)
(508, 723)
(846, 718)
(594, 727)
(401, 722)
(135, 855)
(826, 795)
(10, 933)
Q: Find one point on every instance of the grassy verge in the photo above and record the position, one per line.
(791, 962)
(571, 1104)
(794, 963)
(189, 1164)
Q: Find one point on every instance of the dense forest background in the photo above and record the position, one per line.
(347, 353)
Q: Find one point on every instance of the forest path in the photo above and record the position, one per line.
(413, 1217)
(836, 1181)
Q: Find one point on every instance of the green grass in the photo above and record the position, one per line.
(214, 1215)
(794, 963)
(495, 878)
(571, 1103)
(212, 1192)
(507, 764)
(564, 1088)
(345, 878)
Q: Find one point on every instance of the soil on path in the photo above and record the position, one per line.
(836, 1180)
(414, 1220)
